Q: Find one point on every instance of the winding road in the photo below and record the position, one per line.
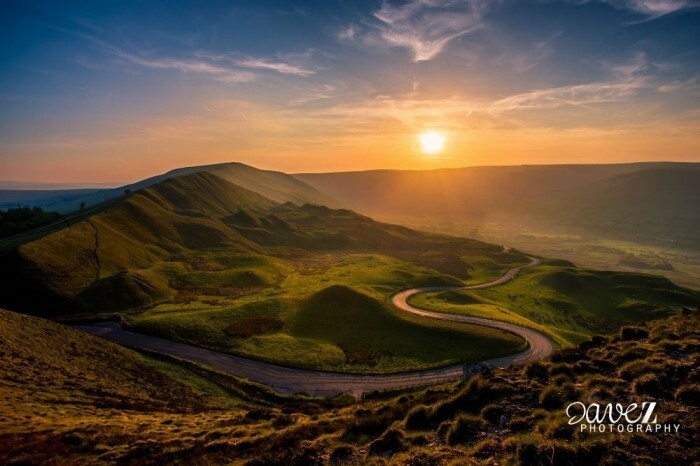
(539, 346)
(289, 380)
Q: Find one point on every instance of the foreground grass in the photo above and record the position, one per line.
(513, 416)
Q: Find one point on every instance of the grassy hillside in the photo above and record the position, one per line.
(71, 398)
(200, 260)
(570, 304)
(513, 416)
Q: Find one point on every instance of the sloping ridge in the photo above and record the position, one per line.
(71, 269)
(276, 186)
(205, 193)
(45, 364)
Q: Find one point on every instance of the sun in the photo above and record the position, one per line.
(431, 142)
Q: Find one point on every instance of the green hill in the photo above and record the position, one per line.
(355, 322)
(72, 398)
(75, 268)
(276, 186)
(655, 204)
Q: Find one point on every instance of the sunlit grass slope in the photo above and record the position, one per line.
(72, 398)
(568, 303)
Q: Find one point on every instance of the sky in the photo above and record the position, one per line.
(115, 91)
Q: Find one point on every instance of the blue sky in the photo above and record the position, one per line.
(114, 91)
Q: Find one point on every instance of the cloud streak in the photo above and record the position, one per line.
(217, 72)
(653, 8)
(427, 26)
(580, 96)
(279, 67)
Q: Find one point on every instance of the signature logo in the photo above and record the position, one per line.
(616, 417)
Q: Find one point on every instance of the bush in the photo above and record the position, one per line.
(633, 354)
(369, 425)
(282, 421)
(649, 384)
(633, 333)
(418, 418)
(552, 427)
(465, 430)
(492, 413)
(470, 399)
(567, 355)
(555, 453)
(343, 454)
(553, 397)
(560, 380)
(635, 369)
(391, 442)
(689, 394)
(561, 368)
(536, 370)
(596, 341)
(443, 429)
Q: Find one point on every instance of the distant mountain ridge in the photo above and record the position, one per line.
(652, 202)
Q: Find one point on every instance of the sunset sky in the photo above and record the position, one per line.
(97, 91)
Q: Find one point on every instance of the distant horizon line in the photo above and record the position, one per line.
(24, 185)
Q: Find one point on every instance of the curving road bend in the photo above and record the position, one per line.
(539, 346)
(289, 380)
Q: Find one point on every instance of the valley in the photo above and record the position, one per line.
(633, 217)
(264, 320)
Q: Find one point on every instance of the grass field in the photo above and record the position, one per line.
(569, 304)
(330, 313)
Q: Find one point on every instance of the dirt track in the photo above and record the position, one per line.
(290, 380)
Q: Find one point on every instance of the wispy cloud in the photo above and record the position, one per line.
(627, 79)
(215, 71)
(279, 67)
(427, 26)
(653, 8)
(348, 33)
(196, 65)
(224, 68)
(580, 95)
